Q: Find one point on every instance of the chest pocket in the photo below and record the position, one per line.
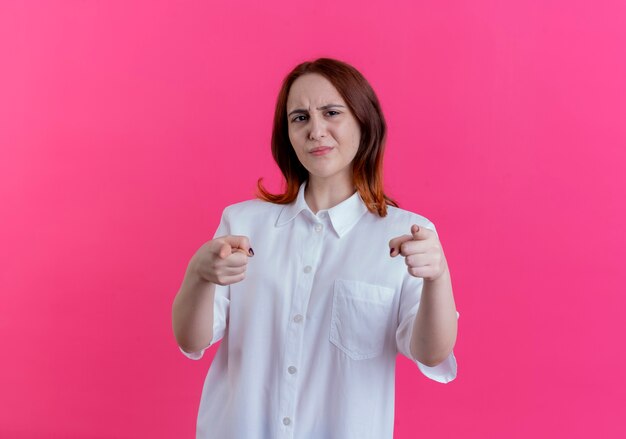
(360, 318)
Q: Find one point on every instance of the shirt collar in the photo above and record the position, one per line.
(343, 216)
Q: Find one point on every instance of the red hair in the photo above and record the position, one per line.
(367, 164)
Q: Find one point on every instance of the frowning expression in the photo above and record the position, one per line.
(323, 131)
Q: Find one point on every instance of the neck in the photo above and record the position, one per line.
(323, 194)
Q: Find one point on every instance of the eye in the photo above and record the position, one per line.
(295, 119)
(333, 111)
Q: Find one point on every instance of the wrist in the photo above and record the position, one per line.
(194, 273)
(443, 277)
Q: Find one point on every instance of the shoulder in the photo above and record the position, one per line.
(405, 218)
(250, 209)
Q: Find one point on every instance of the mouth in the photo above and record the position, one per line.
(321, 150)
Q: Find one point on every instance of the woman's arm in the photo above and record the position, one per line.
(192, 311)
(435, 326)
(220, 261)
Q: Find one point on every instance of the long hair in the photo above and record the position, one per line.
(367, 173)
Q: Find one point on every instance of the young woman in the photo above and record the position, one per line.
(340, 280)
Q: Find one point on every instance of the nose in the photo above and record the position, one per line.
(317, 127)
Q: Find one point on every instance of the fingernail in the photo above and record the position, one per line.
(251, 251)
(391, 251)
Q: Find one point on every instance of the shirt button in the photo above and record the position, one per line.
(286, 421)
(318, 227)
(292, 370)
(307, 269)
(298, 318)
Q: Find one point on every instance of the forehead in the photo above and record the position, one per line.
(312, 89)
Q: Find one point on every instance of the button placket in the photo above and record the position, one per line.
(311, 252)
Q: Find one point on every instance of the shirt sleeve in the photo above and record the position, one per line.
(221, 305)
(409, 303)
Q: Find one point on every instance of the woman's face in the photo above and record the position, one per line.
(317, 116)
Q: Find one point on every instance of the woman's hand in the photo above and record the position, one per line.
(435, 327)
(422, 251)
(223, 260)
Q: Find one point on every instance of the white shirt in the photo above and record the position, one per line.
(310, 336)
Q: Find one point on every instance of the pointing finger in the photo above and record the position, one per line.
(241, 243)
(238, 243)
(395, 243)
(233, 257)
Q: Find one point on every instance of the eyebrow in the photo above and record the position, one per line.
(325, 107)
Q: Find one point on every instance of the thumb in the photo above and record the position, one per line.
(415, 231)
(224, 251)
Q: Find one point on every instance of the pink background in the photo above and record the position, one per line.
(126, 127)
